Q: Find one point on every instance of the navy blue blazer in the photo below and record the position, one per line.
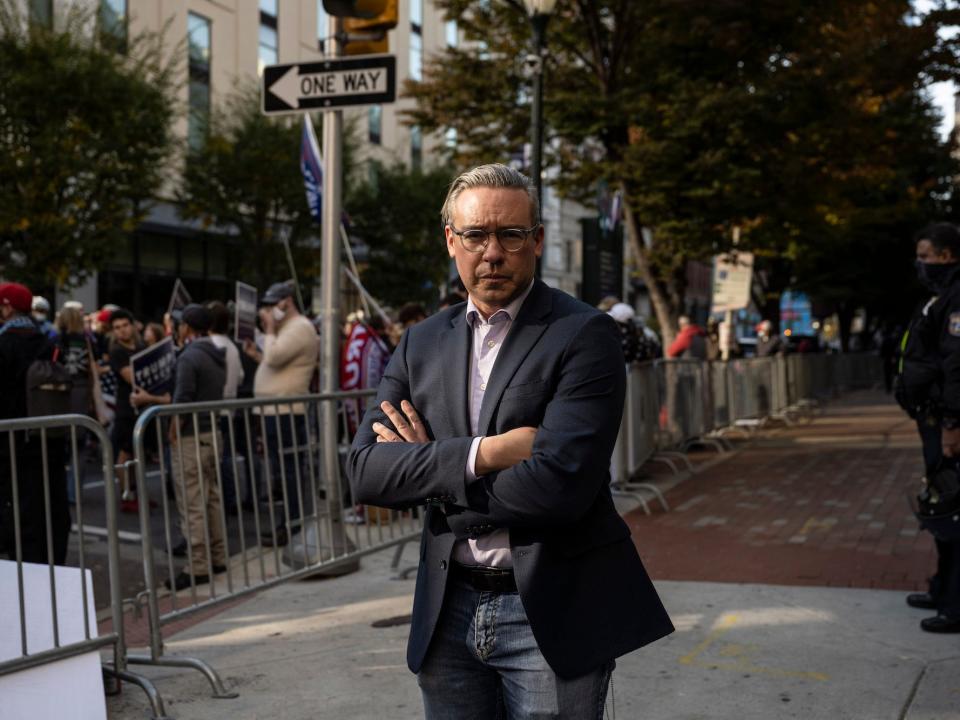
(583, 586)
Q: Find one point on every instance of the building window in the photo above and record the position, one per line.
(416, 39)
(198, 48)
(416, 147)
(269, 45)
(450, 28)
(323, 28)
(113, 24)
(41, 12)
(374, 123)
(416, 56)
(416, 15)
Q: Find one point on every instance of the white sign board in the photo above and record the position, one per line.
(329, 84)
(732, 278)
(71, 687)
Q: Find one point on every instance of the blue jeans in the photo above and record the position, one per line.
(286, 433)
(484, 663)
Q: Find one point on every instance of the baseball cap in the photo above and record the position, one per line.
(16, 296)
(197, 317)
(276, 292)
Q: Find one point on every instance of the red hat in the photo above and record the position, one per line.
(104, 316)
(16, 296)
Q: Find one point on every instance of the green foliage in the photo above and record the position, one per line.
(246, 180)
(804, 123)
(84, 143)
(397, 213)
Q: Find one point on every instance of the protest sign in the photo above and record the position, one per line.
(179, 298)
(153, 368)
(245, 319)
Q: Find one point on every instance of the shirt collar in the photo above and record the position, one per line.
(510, 311)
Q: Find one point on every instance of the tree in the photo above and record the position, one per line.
(245, 179)
(397, 213)
(710, 116)
(84, 144)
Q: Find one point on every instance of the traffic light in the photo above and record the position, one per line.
(385, 20)
(356, 8)
(367, 47)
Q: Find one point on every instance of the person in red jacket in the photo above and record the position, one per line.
(691, 341)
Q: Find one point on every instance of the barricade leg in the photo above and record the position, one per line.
(219, 691)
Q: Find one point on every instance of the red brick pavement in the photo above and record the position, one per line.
(821, 503)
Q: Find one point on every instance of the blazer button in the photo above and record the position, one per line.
(443, 564)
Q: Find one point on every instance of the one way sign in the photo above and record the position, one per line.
(329, 84)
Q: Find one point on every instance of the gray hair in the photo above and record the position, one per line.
(493, 175)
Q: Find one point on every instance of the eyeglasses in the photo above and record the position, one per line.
(511, 239)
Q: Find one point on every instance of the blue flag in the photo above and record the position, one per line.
(312, 168)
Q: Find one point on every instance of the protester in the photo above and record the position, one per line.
(201, 375)
(286, 365)
(219, 327)
(125, 343)
(624, 315)
(77, 354)
(41, 316)
(21, 343)
(153, 333)
(691, 341)
(410, 314)
(650, 346)
(769, 344)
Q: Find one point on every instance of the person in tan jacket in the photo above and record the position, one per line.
(286, 365)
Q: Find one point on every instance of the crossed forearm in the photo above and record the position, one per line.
(496, 452)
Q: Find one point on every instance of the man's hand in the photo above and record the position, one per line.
(408, 424)
(951, 442)
(250, 348)
(499, 452)
(267, 322)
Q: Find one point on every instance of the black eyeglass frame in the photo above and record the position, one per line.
(526, 235)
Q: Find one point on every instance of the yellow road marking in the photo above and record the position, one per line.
(740, 653)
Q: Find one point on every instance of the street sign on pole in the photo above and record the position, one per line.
(329, 84)
(732, 279)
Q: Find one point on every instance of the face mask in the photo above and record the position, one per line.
(278, 314)
(932, 275)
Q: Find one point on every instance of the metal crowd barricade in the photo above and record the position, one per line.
(48, 444)
(637, 439)
(672, 404)
(280, 441)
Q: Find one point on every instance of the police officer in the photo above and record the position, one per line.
(928, 388)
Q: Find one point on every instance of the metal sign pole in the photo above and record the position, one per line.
(330, 328)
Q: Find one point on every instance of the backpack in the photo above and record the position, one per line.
(48, 387)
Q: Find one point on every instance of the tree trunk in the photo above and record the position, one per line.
(662, 307)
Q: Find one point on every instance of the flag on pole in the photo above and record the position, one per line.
(312, 168)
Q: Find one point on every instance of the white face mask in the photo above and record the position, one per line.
(278, 314)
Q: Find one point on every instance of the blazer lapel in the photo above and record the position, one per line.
(454, 358)
(527, 328)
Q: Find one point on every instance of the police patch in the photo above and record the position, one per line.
(954, 325)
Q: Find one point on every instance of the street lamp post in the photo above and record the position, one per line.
(539, 12)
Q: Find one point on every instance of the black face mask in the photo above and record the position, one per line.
(933, 275)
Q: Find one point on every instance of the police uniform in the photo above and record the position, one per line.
(928, 388)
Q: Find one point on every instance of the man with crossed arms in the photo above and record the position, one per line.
(500, 415)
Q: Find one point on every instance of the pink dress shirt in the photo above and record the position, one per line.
(491, 550)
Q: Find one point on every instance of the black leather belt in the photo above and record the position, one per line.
(485, 579)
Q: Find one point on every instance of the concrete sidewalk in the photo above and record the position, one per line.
(309, 650)
(784, 567)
